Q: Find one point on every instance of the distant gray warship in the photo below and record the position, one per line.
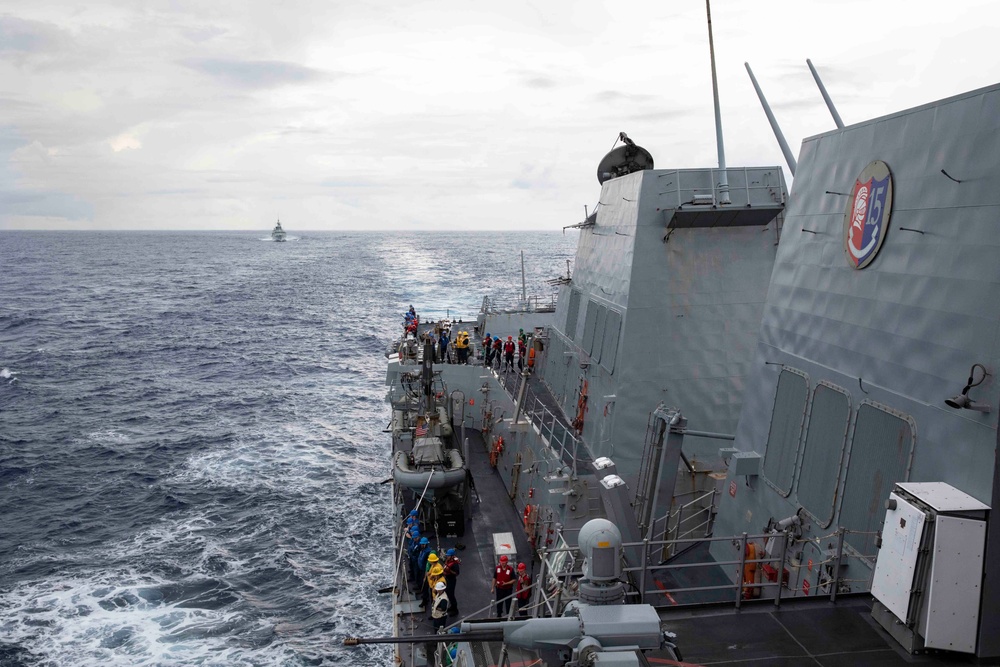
(758, 428)
(278, 234)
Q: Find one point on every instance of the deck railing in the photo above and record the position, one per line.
(536, 303)
(785, 574)
(553, 429)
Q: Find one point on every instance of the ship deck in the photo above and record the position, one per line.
(709, 628)
(799, 632)
(491, 512)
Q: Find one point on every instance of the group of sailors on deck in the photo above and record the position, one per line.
(499, 354)
(434, 576)
(496, 353)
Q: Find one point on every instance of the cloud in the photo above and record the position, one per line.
(535, 177)
(125, 141)
(333, 183)
(798, 104)
(606, 96)
(253, 73)
(540, 82)
(20, 36)
(45, 204)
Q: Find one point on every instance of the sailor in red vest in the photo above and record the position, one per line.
(522, 590)
(452, 567)
(503, 586)
(508, 354)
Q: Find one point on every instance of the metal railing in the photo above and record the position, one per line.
(555, 432)
(780, 579)
(695, 510)
(535, 304)
(702, 186)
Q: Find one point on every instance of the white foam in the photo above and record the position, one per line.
(106, 618)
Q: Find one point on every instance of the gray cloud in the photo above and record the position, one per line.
(25, 37)
(253, 73)
(541, 82)
(45, 204)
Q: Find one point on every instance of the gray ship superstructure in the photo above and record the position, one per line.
(784, 407)
(664, 305)
(855, 367)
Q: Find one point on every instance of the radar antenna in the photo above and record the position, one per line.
(623, 160)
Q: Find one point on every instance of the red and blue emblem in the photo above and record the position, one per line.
(866, 220)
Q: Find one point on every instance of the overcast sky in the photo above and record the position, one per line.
(224, 114)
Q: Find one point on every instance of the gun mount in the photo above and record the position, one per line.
(576, 639)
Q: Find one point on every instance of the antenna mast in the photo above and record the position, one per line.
(826, 96)
(789, 158)
(524, 288)
(724, 177)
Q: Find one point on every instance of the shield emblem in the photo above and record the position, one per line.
(866, 220)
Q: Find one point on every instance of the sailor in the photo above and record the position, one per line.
(522, 352)
(443, 345)
(508, 354)
(432, 560)
(411, 522)
(439, 610)
(522, 337)
(497, 351)
(488, 351)
(434, 574)
(462, 351)
(522, 590)
(452, 567)
(414, 552)
(421, 565)
(503, 585)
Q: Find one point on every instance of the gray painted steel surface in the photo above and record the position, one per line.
(822, 453)
(665, 314)
(901, 333)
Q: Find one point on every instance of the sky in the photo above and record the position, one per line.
(428, 114)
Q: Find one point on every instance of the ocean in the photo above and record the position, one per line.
(191, 445)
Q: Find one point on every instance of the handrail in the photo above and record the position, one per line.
(644, 571)
(705, 183)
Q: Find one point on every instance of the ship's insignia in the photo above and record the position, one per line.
(866, 220)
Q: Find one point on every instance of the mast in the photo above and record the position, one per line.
(724, 177)
(789, 158)
(826, 96)
(524, 288)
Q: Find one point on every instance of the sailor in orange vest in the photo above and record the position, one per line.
(503, 586)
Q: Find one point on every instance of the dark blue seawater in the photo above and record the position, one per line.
(191, 442)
